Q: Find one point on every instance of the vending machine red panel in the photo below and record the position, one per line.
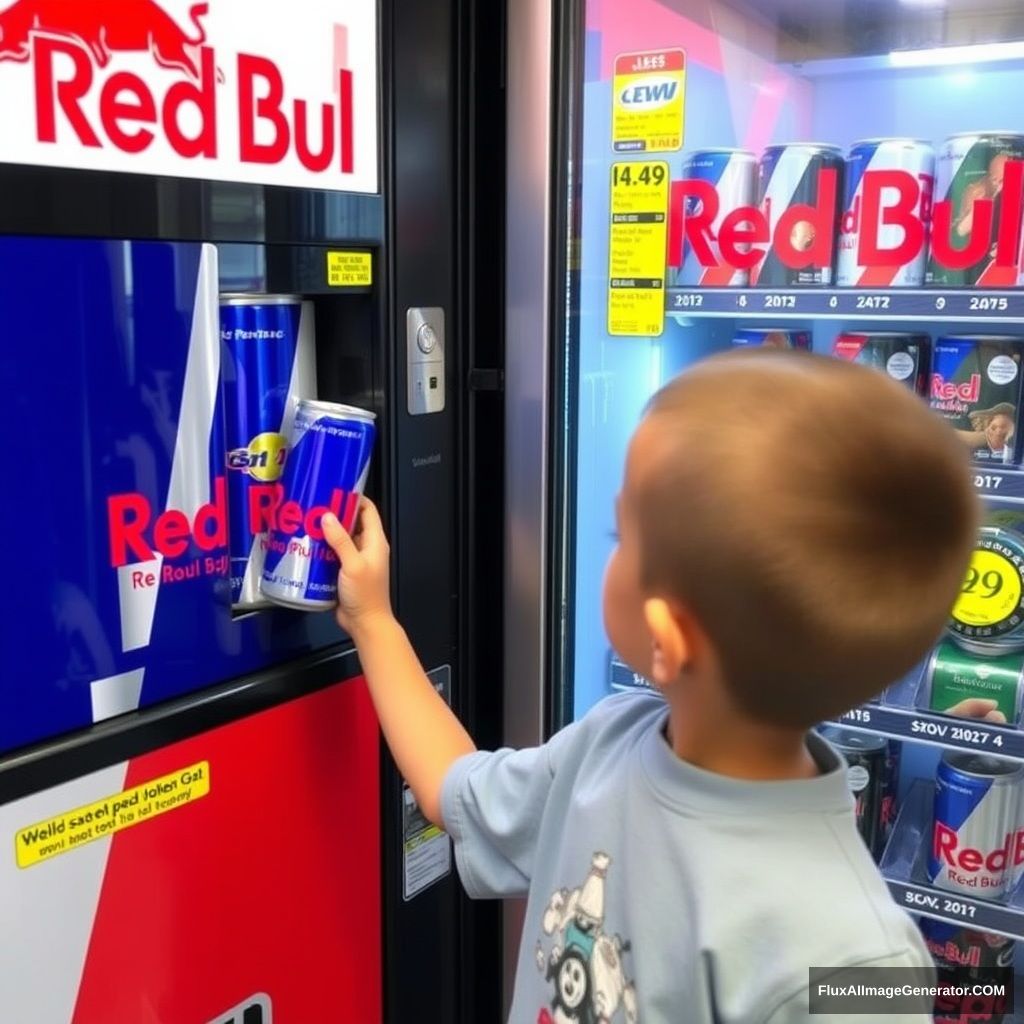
(236, 869)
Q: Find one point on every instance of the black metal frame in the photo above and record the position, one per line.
(435, 229)
(568, 47)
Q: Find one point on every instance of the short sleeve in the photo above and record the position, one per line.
(492, 804)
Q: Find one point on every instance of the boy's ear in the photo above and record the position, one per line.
(672, 646)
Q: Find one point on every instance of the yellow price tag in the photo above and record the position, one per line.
(349, 269)
(991, 592)
(638, 237)
(649, 90)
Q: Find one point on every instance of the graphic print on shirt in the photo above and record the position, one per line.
(584, 964)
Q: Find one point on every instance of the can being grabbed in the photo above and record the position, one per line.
(326, 471)
(955, 676)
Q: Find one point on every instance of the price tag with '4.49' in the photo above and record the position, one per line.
(638, 235)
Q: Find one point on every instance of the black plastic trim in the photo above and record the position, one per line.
(106, 204)
(49, 764)
(567, 146)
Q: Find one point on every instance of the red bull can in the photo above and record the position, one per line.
(977, 842)
(772, 337)
(968, 962)
(976, 385)
(904, 357)
(978, 186)
(867, 761)
(897, 177)
(799, 191)
(733, 175)
(326, 471)
(268, 361)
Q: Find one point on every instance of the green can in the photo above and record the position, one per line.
(956, 675)
(971, 167)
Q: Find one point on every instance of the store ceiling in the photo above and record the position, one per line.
(817, 29)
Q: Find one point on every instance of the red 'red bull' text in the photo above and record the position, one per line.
(962, 394)
(70, 44)
(887, 198)
(983, 869)
(137, 536)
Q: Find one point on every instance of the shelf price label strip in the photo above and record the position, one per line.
(979, 914)
(938, 730)
(844, 303)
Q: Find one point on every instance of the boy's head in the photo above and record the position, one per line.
(801, 524)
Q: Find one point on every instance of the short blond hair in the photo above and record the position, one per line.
(815, 517)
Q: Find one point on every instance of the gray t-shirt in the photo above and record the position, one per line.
(660, 893)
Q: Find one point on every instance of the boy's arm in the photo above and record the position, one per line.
(424, 736)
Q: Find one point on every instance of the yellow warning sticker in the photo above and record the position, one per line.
(649, 92)
(349, 269)
(638, 236)
(66, 832)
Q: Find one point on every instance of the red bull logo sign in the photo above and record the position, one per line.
(219, 89)
(804, 235)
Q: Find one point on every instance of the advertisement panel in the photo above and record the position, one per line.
(118, 510)
(227, 90)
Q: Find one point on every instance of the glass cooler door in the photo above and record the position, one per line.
(840, 176)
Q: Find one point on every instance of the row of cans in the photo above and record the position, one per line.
(288, 457)
(973, 381)
(873, 774)
(891, 214)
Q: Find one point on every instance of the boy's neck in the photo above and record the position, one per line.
(719, 740)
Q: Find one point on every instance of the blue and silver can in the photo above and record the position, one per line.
(879, 172)
(799, 192)
(326, 471)
(977, 842)
(268, 360)
(732, 174)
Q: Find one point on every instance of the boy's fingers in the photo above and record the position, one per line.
(973, 707)
(337, 536)
(370, 518)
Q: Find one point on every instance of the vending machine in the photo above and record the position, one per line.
(844, 177)
(236, 243)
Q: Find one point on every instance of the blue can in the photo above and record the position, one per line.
(772, 337)
(268, 360)
(326, 471)
(729, 179)
(977, 844)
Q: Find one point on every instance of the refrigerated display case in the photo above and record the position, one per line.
(838, 175)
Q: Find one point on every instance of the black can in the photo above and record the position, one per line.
(800, 195)
(963, 959)
(890, 792)
(867, 757)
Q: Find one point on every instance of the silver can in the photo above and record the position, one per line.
(976, 836)
(913, 160)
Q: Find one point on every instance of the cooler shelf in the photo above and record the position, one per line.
(903, 866)
(906, 304)
(944, 731)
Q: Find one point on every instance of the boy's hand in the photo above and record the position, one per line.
(364, 577)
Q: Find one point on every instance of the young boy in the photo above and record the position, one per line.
(783, 554)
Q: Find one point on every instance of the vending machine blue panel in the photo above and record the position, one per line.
(115, 488)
